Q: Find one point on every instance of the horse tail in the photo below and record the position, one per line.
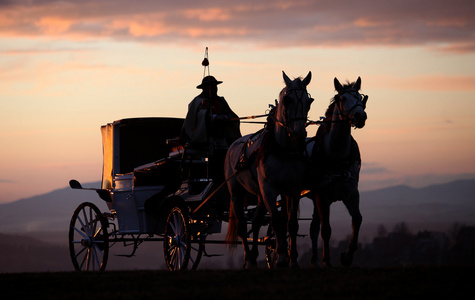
(231, 235)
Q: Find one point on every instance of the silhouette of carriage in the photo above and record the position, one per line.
(155, 190)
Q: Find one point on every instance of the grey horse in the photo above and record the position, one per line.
(335, 167)
(274, 165)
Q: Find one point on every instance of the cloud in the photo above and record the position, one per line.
(433, 82)
(6, 181)
(443, 25)
(373, 168)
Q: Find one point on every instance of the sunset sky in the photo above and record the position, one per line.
(68, 67)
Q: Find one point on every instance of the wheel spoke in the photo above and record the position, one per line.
(172, 227)
(93, 227)
(177, 223)
(173, 257)
(83, 259)
(88, 258)
(80, 232)
(83, 227)
(86, 222)
(97, 250)
(80, 252)
(89, 227)
(96, 253)
(97, 231)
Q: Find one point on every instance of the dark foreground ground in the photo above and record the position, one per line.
(336, 283)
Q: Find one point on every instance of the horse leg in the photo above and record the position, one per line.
(256, 226)
(293, 228)
(315, 233)
(238, 223)
(278, 224)
(352, 204)
(324, 210)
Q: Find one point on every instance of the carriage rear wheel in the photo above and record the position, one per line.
(271, 253)
(88, 238)
(178, 245)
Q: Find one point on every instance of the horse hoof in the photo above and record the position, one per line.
(282, 264)
(327, 264)
(346, 259)
(315, 263)
(294, 265)
(250, 265)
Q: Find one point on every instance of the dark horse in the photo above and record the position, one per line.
(274, 164)
(335, 167)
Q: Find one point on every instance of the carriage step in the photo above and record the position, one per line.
(125, 255)
(212, 255)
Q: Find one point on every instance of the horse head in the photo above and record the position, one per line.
(350, 103)
(291, 116)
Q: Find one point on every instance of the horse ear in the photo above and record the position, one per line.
(307, 79)
(286, 79)
(337, 84)
(357, 85)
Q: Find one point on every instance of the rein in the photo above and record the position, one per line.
(360, 103)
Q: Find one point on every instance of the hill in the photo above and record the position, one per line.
(35, 237)
(432, 207)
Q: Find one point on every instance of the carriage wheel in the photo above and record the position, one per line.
(271, 249)
(177, 242)
(88, 238)
(271, 252)
(197, 250)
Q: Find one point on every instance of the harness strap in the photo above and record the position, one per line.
(215, 191)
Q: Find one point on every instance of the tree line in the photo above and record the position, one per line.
(401, 247)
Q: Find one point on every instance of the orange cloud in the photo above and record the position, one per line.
(211, 14)
(53, 26)
(453, 22)
(366, 22)
(213, 32)
(147, 28)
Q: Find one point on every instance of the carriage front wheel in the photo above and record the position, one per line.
(177, 245)
(88, 238)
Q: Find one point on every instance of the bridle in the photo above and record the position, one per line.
(361, 102)
(345, 118)
(288, 121)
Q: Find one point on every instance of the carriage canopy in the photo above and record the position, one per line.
(129, 143)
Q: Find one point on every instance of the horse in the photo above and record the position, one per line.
(335, 164)
(274, 164)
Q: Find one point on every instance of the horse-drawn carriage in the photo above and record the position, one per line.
(155, 190)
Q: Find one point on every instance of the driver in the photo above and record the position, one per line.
(210, 125)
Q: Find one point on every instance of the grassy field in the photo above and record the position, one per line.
(306, 283)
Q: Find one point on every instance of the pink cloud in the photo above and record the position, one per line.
(443, 25)
(427, 82)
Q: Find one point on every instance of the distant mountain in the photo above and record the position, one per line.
(436, 205)
(443, 204)
(47, 212)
